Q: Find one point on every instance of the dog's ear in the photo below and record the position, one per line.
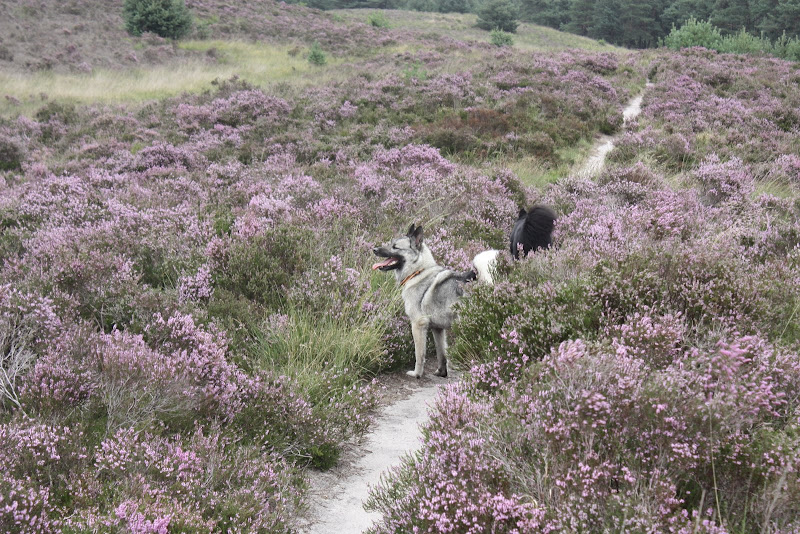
(522, 213)
(411, 229)
(418, 237)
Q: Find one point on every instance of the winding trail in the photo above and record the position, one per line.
(337, 496)
(605, 143)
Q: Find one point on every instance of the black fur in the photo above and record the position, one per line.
(532, 230)
(467, 276)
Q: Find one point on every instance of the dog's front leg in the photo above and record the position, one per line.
(419, 329)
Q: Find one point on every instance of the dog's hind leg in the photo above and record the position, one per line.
(419, 329)
(440, 338)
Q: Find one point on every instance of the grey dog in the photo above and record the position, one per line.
(429, 292)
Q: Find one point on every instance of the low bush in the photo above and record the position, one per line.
(378, 20)
(316, 56)
(261, 267)
(589, 440)
(12, 153)
(501, 38)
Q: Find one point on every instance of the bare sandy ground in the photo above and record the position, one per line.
(605, 143)
(337, 496)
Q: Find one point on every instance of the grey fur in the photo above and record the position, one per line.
(429, 292)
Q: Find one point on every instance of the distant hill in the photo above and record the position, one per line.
(78, 36)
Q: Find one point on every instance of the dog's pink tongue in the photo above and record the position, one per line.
(384, 263)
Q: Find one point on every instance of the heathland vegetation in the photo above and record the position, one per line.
(633, 23)
(189, 322)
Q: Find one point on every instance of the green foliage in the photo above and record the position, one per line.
(378, 20)
(694, 33)
(258, 268)
(792, 50)
(415, 72)
(11, 154)
(542, 314)
(705, 34)
(744, 43)
(787, 48)
(643, 23)
(501, 38)
(316, 56)
(62, 112)
(167, 18)
(454, 6)
(498, 14)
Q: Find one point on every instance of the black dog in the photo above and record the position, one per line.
(532, 230)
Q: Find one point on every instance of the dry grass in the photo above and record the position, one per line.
(462, 27)
(258, 63)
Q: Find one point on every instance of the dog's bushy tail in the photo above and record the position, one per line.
(484, 264)
(533, 230)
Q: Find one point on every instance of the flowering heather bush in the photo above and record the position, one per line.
(11, 153)
(724, 182)
(36, 460)
(239, 108)
(698, 108)
(188, 316)
(198, 484)
(594, 439)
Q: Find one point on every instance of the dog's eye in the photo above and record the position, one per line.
(394, 246)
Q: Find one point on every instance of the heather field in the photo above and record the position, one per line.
(189, 324)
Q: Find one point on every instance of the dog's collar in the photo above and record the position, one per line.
(409, 277)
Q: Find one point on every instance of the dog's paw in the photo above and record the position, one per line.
(441, 372)
(414, 374)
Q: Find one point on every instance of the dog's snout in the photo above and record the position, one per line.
(375, 250)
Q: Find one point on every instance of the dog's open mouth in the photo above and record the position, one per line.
(388, 264)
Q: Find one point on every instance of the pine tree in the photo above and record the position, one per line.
(679, 11)
(784, 15)
(552, 13)
(730, 16)
(639, 23)
(498, 15)
(606, 21)
(167, 18)
(581, 16)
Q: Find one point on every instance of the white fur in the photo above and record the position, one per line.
(484, 264)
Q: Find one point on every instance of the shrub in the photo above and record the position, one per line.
(501, 38)
(378, 20)
(316, 56)
(498, 15)
(200, 484)
(11, 154)
(503, 329)
(744, 43)
(694, 33)
(793, 50)
(589, 441)
(167, 18)
(259, 268)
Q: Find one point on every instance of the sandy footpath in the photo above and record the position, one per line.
(337, 496)
(605, 143)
